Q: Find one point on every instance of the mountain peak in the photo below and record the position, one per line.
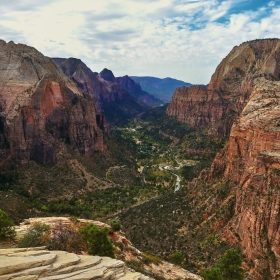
(107, 75)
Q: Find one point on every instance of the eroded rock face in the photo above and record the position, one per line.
(69, 262)
(40, 107)
(39, 263)
(247, 82)
(252, 161)
(230, 87)
(102, 87)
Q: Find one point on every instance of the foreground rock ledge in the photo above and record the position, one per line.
(39, 263)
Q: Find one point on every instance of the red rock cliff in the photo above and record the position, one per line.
(229, 89)
(40, 107)
(247, 82)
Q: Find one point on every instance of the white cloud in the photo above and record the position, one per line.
(175, 38)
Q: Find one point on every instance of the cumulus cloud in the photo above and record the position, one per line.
(184, 39)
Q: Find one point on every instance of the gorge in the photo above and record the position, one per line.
(72, 141)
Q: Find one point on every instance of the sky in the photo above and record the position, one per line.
(182, 39)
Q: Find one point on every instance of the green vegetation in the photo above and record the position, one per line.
(213, 274)
(98, 241)
(177, 258)
(116, 225)
(34, 236)
(227, 268)
(7, 230)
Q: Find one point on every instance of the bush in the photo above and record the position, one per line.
(98, 241)
(212, 274)
(7, 230)
(116, 226)
(177, 258)
(64, 237)
(34, 236)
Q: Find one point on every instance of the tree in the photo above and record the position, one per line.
(7, 230)
(177, 258)
(230, 265)
(98, 241)
(116, 226)
(212, 274)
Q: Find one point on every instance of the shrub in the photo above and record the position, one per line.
(212, 274)
(98, 241)
(177, 258)
(7, 230)
(34, 236)
(64, 237)
(116, 226)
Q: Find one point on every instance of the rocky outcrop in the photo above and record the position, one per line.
(246, 82)
(136, 91)
(129, 253)
(252, 161)
(41, 108)
(229, 89)
(39, 263)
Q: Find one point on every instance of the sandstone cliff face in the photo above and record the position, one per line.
(90, 82)
(229, 89)
(40, 107)
(252, 162)
(247, 82)
(112, 98)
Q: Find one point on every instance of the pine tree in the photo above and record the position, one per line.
(98, 241)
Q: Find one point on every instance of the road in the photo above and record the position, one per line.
(178, 180)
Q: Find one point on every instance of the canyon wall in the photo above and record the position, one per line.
(222, 101)
(40, 108)
(242, 102)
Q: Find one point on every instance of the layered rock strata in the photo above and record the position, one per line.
(246, 82)
(39, 263)
(40, 107)
(230, 87)
(163, 269)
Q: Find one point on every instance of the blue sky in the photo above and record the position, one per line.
(183, 39)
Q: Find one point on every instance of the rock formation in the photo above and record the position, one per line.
(112, 98)
(40, 108)
(135, 90)
(245, 88)
(39, 263)
(83, 265)
(229, 89)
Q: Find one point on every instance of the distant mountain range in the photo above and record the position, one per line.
(161, 88)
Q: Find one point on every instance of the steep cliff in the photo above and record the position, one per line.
(111, 97)
(40, 107)
(230, 87)
(236, 202)
(247, 85)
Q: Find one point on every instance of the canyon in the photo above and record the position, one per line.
(58, 111)
(242, 102)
